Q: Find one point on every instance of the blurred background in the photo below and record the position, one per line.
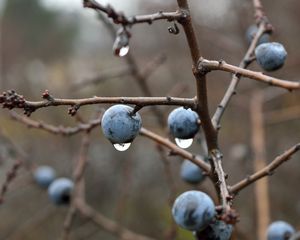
(55, 44)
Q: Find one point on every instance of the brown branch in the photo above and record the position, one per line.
(60, 130)
(261, 188)
(175, 149)
(231, 90)
(78, 192)
(267, 171)
(202, 109)
(171, 232)
(10, 176)
(282, 115)
(113, 74)
(208, 65)
(107, 224)
(11, 99)
(120, 73)
(120, 18)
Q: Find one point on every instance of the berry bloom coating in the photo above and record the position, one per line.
(191, 173)
(250, 33)
(119, 125)
(217, 230)
(60, 191)
(44, 175)
(270, 56)
(193, 210)
(280, 230)
(183, 123)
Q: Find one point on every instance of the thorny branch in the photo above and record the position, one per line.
(267, 171)
(202, 109)
(120, 18)
(208, 65)
(231, 90)
(11, 100)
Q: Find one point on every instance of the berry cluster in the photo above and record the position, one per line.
(59, 189)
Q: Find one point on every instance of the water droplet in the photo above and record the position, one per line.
(123, 51)
(184, 143)
(122, 146)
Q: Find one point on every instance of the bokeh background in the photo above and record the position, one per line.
(53, 44)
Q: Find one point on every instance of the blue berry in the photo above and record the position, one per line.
(280, 230)
(191, 173)
(60, 191)
(183, 123)
(193, 210)
(250, 33)
(119, 125)
(217, 230)
(270, 56)
(44, 175)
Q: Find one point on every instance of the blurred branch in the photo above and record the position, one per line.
(10, 176)
(60, 130)
(107, 224)
(120, 18)
(102, 77)
(171, 233)
(11, 99)
(79, 185)
(146, 72)
(282, 115)
(267, 171)
(261, 188)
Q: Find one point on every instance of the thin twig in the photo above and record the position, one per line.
(107, 224)
(11, 99)
(208, 65)
(60, 130)
(231, 90)
(267, 171)
(10, 176)
(120, 18)
(261, 188)
(175, 150)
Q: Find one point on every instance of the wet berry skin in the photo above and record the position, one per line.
(270, 56)
(250, 33)
(279, 230)
(218, 230)
(191, 173)
(193, 210)
(183, 123)
(60, 191)
(119, 125)
(44, 175)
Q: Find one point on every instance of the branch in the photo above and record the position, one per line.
(120, 18)
(115, 74)
(10, 176)
(107, 224)
(175, 149)
(11, 99)
(203, 111)
(267, 171)
(78, 192)
(60, 130)
(208, 65)
(231, 90)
